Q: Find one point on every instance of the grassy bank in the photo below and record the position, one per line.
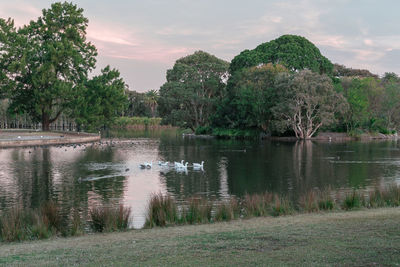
(137, 123)
(357, 238)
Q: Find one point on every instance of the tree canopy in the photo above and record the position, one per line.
(193, 86)
(292, 51)
(46, 62)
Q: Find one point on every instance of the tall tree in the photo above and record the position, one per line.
(193, 86)
(306, 101)
(249, 98)
(46, 62)
(294, 52)
(103, 99)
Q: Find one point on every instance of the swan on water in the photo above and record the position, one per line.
(178, 164)
(198, 165)
(181, 166)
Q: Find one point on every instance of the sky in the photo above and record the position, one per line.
(144, 38)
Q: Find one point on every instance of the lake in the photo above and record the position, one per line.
(80, 177)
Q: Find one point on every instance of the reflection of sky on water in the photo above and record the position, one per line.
(109, 174)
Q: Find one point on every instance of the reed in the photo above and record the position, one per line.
(51, 215)
(309, 202)
(198, 210)
(227, 210)
(281, 206)
(19, 224)
(353, 200)
(257, 204)
(162, 210)
(109, 219)
(325, 200)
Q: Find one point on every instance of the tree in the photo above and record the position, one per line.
(306, 101)
(292, 51)
(137, 105)
(103, 99)
(194, 85)
(46, 62)
(151, 99)
(250, 96)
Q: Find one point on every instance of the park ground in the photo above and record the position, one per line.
(356, 238)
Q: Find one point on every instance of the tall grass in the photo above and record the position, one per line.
(109, 219)
(18, 224)
(162, 210)
(353, 200)
(198, 210)
(257, 204)
(227, 210)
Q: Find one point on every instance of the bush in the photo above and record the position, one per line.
(203, 130)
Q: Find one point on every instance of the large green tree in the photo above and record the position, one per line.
(102, 99)
(193, 87)
(305, 102)
(294, 52)
(46, 62)
(249, 98)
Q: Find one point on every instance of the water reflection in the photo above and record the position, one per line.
(108, 173)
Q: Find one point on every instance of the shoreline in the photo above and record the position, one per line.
(29, 138)
(360, 237)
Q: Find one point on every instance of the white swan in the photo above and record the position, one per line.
(164, 164)
(198, 165)
(181, 166)
(178, 164)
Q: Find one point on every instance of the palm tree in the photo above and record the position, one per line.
(151, 98)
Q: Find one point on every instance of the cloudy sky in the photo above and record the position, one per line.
(144, 38)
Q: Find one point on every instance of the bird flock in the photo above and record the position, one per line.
(179, 166)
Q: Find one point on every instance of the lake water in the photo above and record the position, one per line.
(84, 176)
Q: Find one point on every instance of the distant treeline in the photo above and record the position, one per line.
(282, 87)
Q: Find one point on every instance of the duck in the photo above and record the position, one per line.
(198, 165)
(146, 165)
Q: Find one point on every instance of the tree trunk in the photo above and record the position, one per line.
(45, 121)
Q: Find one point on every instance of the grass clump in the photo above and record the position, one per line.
(257, 204)
(109, 219)
(281, 206)
(227, 210)
(19, 224)
(353, 200)
(198, 210)
(162, 210)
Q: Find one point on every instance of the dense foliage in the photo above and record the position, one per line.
(45, 67)
(194, 86)
(292, 51)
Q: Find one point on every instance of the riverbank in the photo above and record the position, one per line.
(24, 138)
(358, 238)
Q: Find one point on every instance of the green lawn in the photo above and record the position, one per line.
(365, 237)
